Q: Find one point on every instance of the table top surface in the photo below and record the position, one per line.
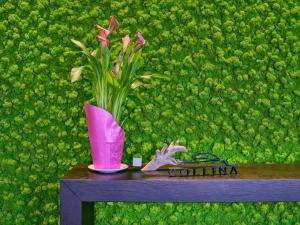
(245, 172)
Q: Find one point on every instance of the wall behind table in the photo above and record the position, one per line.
(234, 89)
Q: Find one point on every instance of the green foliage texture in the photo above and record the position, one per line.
(234, 89)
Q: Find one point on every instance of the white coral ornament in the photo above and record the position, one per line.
(164, 156)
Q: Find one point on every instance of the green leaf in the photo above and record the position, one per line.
(136, 84)
(79, 44)
(93, 62)
(94, 53)
(105, 58)
(155, 75)
(113, 81)
(135, 66)
(97, 54)
(75, 73)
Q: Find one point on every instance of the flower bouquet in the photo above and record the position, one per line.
(112, 80)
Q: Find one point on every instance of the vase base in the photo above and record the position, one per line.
(122, 167)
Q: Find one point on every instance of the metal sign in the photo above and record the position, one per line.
(206, 170)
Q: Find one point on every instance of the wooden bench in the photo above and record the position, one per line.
(80, 188)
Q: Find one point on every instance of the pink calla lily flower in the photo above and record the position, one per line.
(140, 39)
(116, 67)
(113, 24)
(104, 40)
(126, 41)
(104, 32)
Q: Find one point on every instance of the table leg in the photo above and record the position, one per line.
(72, 210)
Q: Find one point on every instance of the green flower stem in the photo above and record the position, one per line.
(118, 103)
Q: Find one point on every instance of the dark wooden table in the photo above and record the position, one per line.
(80, 188)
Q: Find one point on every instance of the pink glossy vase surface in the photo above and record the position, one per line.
(106, 138)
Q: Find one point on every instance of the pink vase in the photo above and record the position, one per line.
(106, 138)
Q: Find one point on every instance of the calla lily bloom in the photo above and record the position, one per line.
(104, 32)
(104, 40)
(113, 24)
(140, 39)
(116, 67)
(126, 41)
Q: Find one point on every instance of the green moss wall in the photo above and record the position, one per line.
(234, 89)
